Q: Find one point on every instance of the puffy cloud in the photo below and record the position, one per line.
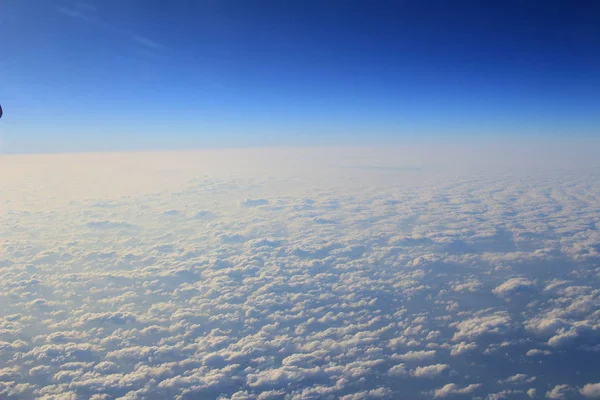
(505, 394)
(416, 355)
(317, 284)
(462, 347)
(560, 392)
(563, 338)
(495, 323)
(371, 394)
(518, 379)
(109, 225)
(430, 371)
(254, 202)
(513, 286)
(398, 370)
(453, 389)
(537, 352)
(545, 325)
(591, 391)
(282, 376)
(204, 215)
(471, 285)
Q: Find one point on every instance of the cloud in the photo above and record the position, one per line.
(171, 213)
(470, 286)
(591, 391)
(414, 291)
(254, 202)
(71, 12)
(505, 394)
(513, 286)
(416, 355)
(563, 338)
(492, 323)
(147, 42)
(204, 214)
(398, 370)
(91, 15)
(518, 379)
(430, 371)
(109, 225)
(537, 352)
(452, 389)
(462, 347)
(282, 376)
(560, 392)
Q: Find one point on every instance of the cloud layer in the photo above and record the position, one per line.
(292, 276)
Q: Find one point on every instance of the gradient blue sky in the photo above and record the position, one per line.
(147, 74)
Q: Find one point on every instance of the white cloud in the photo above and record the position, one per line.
(591, 391)
(537, 352)
(398, 370)
(505, 394)
(254, 202)
(453, 389)
(430, 371)
(560, 392)
(462, 347)
(513, 286)
(563, 338)
(471, 328)
(518, 379)
(320, 284)
(472, 285)
(412, 355)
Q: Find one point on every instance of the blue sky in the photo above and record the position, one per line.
(116, 75)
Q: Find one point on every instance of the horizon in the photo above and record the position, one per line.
(499, 144)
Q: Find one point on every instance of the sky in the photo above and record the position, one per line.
(133, 74)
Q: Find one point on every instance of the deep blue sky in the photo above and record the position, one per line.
(137, 74)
